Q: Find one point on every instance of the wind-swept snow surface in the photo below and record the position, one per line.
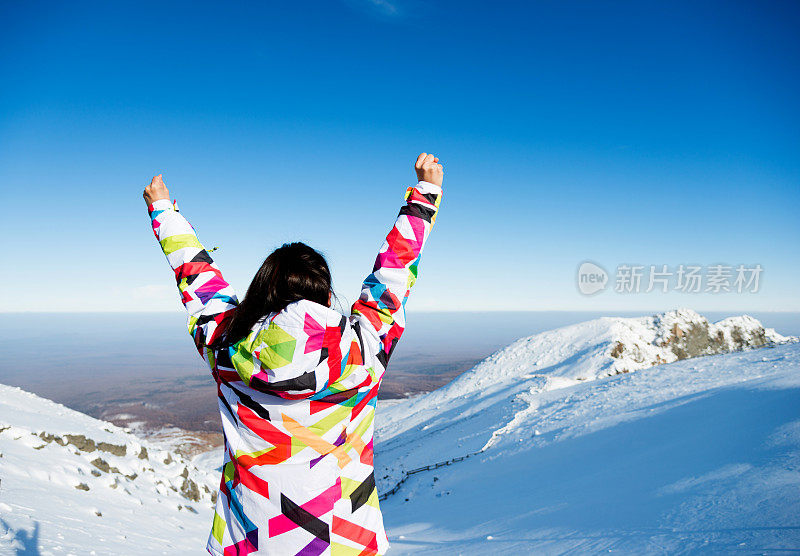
(552, 445)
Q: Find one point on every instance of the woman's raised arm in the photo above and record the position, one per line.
(381, 305)
(208, 298)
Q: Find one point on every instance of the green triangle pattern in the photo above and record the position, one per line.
(278, 347)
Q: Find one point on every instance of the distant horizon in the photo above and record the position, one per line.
(436, 311)
(422, 323)
(110, 356)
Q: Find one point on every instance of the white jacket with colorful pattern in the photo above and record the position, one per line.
(297, 396)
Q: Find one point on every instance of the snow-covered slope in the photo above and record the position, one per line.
(550, 445)
(501, 392)
(553, 445)
(72, 484)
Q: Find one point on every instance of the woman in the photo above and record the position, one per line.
(297, 381)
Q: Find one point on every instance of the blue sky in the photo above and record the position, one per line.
(625, 132)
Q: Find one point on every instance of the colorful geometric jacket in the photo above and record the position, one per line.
(297, 396)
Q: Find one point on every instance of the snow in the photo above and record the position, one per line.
(54, 500)
(548, 456)
(504, 390)
(596, 437)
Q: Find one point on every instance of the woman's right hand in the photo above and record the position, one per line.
(428, 169)
(155, 191)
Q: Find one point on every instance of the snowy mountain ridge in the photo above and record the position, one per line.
(612, 345)
(501, 393)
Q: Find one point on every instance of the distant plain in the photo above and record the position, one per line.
(142, 368)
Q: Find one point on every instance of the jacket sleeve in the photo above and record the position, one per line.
(380, 309)
(208, 298)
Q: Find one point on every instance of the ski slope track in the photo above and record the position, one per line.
(554, 444)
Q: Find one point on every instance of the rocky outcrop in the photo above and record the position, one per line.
(681, 334)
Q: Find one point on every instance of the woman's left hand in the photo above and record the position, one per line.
(155, 191)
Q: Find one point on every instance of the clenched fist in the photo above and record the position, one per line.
(155, 191)
(428, 169)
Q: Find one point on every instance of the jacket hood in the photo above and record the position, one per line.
(284, 349)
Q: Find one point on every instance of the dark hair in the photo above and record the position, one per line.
(292, 272)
